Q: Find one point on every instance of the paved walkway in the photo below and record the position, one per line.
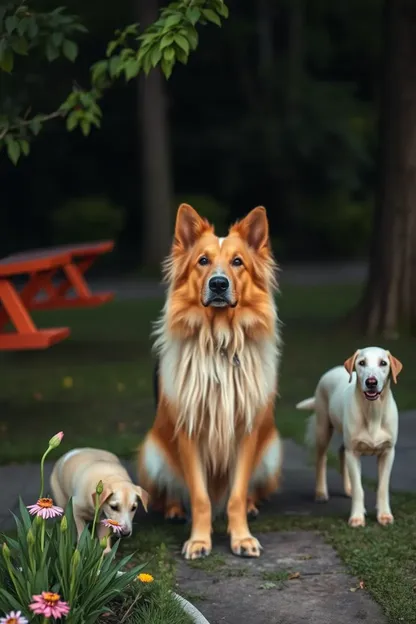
(310, 274)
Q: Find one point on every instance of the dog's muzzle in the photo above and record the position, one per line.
(218, 292)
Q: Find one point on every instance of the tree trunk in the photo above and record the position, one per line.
(156, 166)
(389, 299)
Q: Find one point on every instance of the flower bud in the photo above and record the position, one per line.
(76, 558)
(56, 440)
(64, 524)
(103, 542)
(30, 537)
(100, 488)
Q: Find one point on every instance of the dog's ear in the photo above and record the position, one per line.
(189, 227)
(254, 228)
(395, 366)
(105, 495)
(143, 495)
(350, 363)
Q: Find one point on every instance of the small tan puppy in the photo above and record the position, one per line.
(77, 473)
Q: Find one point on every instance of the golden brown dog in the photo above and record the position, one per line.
(214, 441)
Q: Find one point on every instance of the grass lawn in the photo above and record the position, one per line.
(97, 387)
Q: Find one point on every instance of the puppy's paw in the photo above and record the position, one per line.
(246, 547)
(321, 497)
(385, 518)
(196, 548)
(356, 521)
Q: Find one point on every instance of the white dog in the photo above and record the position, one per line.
(356, 400)
(77, 474)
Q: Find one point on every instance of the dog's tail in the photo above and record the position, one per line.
(306, 405)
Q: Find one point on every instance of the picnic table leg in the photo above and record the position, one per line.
(73, 278)
(27, 335)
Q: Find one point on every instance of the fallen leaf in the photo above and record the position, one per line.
(293, 575)
(361, 585)
(67, 382)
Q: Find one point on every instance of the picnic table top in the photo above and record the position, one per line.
(49, 258)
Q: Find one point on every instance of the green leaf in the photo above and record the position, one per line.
(13, 149)
(131, 69)
(51, 51)
(155, 56)
(85, 127)
(23, 26)
(70, 50)
(169, 54)
(111, 47)
(32, 29)
(99, 70)
(7, 60)
(57, 38)
(193, 14)
(36, 125)
(167, 67)
(20, 45)
(211, 16)
(192, 38)
(72, 121)
(11, 24)
(182, 43)
(24, 146)
(181, 56)
(166, 40)
(223, 10)
(172, 20)
(115, 67)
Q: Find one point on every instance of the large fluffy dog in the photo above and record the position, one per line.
(214, 441)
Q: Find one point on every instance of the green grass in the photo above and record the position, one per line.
(110, 404)
(97, 385)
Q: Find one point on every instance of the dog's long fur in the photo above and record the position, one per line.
(214, 435)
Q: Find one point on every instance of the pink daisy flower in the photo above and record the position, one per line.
(14, 617)
(113, 524)
(45, 509)
(49, 605)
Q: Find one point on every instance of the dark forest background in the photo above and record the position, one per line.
(278, 107)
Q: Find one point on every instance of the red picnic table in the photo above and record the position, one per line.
(42, 266)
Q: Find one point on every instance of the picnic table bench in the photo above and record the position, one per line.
(68, 264)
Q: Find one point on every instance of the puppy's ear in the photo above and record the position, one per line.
(350, 363)
(395, 366)
(143, 495)
(105, 495)
(189, 227)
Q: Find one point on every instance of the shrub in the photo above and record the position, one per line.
(87, 218)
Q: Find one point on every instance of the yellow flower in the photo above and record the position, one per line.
(146, 578)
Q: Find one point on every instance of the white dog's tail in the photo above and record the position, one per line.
(307, 405)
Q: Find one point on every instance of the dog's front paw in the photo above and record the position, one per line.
(196, 548)
(174, 513)
(357, 521)
(385, 518)
(246, 547)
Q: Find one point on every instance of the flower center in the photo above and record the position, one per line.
(114, 523)
(50, 598)
(45, 503)
(12, 620)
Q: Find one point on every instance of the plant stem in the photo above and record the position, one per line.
(42, 476)
(42, 535)
(97, 509)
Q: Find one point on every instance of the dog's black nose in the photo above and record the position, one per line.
(126, 533)
(371, 382)
(218, 284)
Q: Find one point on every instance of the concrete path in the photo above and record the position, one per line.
(310, 274)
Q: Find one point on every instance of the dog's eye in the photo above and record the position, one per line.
(383, 363)
(114, 507)
(237, 262)
(361, 363)
(203, 261)
(134, 507)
